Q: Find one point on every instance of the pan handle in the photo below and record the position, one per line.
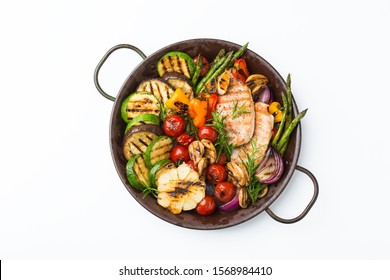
(308, 207)
(101, 62)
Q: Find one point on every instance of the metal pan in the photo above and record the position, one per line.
(147, 69)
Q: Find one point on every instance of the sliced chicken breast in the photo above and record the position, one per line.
(240, 126)
(264, 122)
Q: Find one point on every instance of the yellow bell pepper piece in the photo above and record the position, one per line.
(278, 117)
(177, 100)
(274, 107)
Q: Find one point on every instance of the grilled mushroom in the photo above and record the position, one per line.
(243, 197)
(257, 84)
(209, 150)
(237, 174)
(196, 150)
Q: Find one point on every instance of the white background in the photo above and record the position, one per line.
(60, 195)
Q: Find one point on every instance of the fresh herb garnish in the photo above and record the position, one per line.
(237, 111)
(251, 164)
(222, 144)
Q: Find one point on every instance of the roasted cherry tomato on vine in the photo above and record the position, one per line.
(206, 206)
(225, 191)
(174, 125)
(222, 159)
(216, 173)
(179, 153)
(184, 139)
(207, 132)
(192, 165)
(205, 65)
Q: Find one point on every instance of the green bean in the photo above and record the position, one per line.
(290, 129)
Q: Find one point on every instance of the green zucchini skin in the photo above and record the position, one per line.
(176, 62)
(143, 119)
(158, 150)
(139, 103)
(131, 176)
(155, 169)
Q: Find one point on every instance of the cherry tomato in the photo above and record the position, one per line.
(225, 191)
(206, 206)
(192, 165)
(185, 139)
(179, 153)
(205, 65)
(222, 159)
(207, 132)
(174, 125)
(216, 173)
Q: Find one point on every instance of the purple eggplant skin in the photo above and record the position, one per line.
(177, 80)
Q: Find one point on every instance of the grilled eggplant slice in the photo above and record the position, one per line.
(137, 172)
(143, 119)
(159, 149)
(178, 62)
(177, 80)
(160, 89)
(138, 103)
(138, 138)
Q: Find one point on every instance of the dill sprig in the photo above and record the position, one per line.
(237, 111)
(221, 144)
(251, 164)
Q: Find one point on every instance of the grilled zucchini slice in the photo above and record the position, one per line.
(178, 62)
(143, 119)
(137, 172)
(160, 89)
(138, 103)
(138, 138)
(159, 149)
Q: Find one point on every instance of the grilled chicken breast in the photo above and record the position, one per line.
(264, 122)
(238, 107)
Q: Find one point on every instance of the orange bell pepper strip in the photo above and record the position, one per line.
(198, 111)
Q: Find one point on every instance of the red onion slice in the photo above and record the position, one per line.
(266, 96)
(231, 205)
(271, 167)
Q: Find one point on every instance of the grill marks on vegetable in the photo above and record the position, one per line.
(176, 64)
(161, 90)
(138, 138)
